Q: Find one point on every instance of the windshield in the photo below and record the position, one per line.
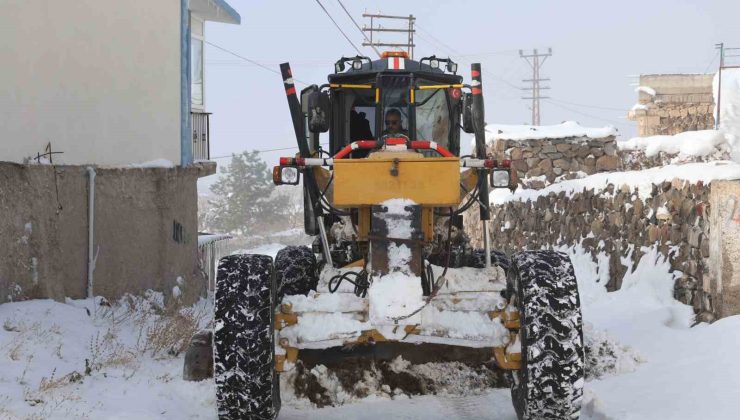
(395, 96)
(432, 116)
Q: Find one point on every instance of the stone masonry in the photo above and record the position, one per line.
(616, 224)
(540, 162)
(682, 102)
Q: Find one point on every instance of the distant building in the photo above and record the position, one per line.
(105, 133)
(673, 103)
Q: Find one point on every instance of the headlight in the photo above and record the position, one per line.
(285, 175)
(500, 178)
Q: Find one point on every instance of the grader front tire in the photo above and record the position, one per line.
(549, 384)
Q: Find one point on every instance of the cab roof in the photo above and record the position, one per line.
(393, 65)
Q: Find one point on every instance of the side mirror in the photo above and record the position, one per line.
(319, 109)
(500, 178)
(285, 175)
(467, 112)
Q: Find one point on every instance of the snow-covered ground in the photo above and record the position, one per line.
(667, 370)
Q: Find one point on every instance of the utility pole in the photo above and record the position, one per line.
(723, 65)
(721, 47)
(535, 89)
(408, 29)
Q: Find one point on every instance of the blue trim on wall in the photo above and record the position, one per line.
(229, 10)
(186, 130)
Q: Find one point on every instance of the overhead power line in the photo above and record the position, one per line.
(358, 27)
(338, 27)
(256, 63)
(260, 151)
(586, 114)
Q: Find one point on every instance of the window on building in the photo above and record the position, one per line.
(196, 63)
(197, 89)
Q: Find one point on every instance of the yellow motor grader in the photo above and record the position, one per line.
(391, 262)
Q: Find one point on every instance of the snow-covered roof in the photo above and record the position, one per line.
(689, 143)
(558, 131)
(207, 238)
(214, 11)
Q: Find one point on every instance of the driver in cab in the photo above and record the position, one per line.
(393, 124)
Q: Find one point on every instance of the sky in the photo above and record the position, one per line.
(598, 49)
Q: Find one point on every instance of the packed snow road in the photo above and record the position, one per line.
(82, 360)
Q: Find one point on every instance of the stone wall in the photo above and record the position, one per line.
(633, 160)
(540, 162)
(145, 231)
(614, 224)
(682, 102)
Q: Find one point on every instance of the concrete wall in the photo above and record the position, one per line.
(724, 261)
(99, 79)
(145, 231)
(683, 102)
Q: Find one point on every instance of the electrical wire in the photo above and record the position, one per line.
(338, 27)
(249, 60)
(585, 114)
(260, 151)
(358, 28)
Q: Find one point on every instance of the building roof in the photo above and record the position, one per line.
(215, 11)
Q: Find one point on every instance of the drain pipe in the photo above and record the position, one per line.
(90, 230)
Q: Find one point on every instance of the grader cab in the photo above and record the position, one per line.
(391, 262)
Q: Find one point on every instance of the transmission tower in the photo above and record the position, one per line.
(536, 62)
(374, 30)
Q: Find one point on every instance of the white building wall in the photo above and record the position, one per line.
(99, 79)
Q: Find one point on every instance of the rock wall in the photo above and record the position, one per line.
(614, 224)
(540, 162)
(145, 231)
(656, 118)
(633, 160)
(673, 103)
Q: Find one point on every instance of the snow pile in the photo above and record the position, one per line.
(398, 293)
(729, 117)
(643, 180)
(605, 356)
(686, 144)
(92, 359)
(558, 131)
(365, 380)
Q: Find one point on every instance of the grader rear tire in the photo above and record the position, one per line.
(247, 386)
(549, 384)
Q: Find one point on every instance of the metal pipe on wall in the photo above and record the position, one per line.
(90, 230)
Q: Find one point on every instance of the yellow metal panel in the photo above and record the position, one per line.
(335, 86)
(430, 182)
(363, 225)
(427, 223)
(439, 86)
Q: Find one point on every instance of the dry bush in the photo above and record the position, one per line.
(170, 333)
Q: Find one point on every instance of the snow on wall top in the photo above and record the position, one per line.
(645, 89)
(558, 131)
(692, 172)
(688, 143)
